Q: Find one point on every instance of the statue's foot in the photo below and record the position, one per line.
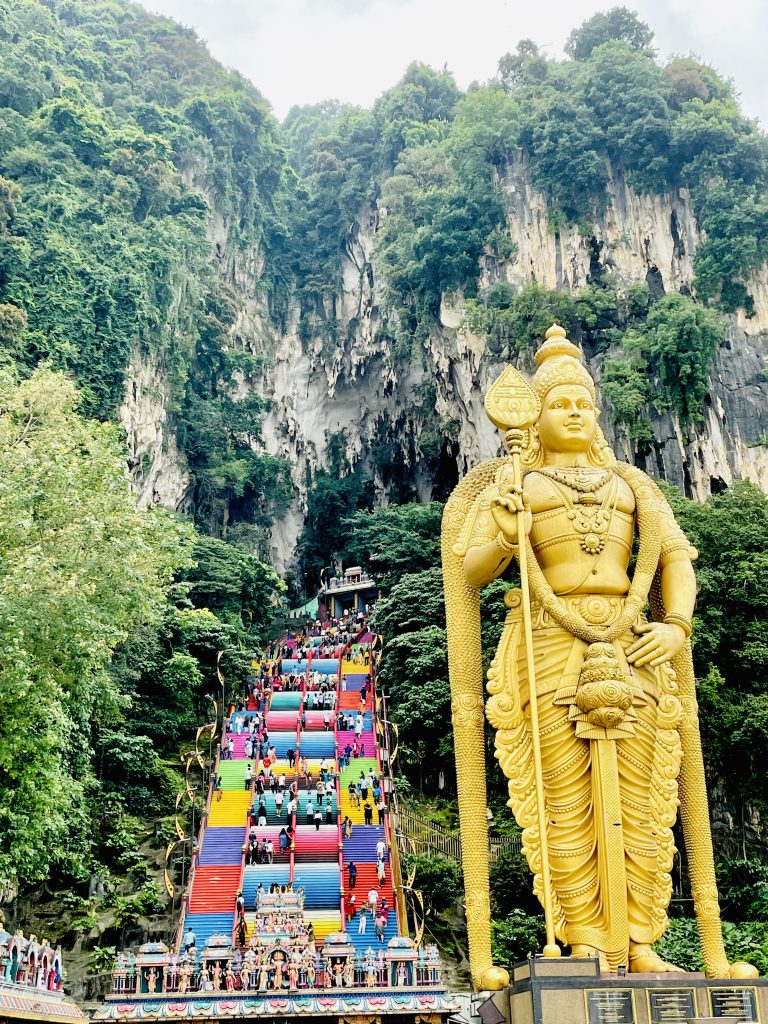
(741, 969)
(493, 979)
(643, 960)
(581, 950)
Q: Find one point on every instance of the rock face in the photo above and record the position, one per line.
(365, 400)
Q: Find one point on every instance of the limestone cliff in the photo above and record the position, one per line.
(359, 393)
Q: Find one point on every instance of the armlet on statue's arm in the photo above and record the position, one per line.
(479, 527)
(672, 537)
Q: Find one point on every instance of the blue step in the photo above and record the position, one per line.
(222, 845)
(266, 874)
(283, 742)
(321, 884)
(206, 925)
(325, 666)
(362, 942)
(296, 666)
(317, 744)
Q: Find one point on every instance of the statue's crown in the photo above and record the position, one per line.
(559, 362)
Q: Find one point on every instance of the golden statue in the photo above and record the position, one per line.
(594, 706)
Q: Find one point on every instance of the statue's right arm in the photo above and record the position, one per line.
(484, 562)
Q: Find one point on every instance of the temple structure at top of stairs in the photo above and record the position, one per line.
(353, 591)
(295, 904)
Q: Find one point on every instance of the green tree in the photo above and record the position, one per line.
(617, 24)
(82, 568)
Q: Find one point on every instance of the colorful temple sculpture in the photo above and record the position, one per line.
(295, 903)
(31, 980)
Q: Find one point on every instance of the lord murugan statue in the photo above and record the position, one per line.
(592, 692)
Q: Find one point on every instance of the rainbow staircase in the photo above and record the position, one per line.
(306, 722)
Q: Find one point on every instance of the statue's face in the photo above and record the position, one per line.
(568, 420)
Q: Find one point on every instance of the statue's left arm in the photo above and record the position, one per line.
(659, 642)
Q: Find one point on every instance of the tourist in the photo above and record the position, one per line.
(329, 811)
(283, 840)
(318, 819)
(310, 811)
(381, 807)
(270, 851)
(379, 925)
(381, 849)
(352, 869)
(189, 939)
(368, 813)
(380, 872)
(218, 787)
(347, 827)
(362, 922)
(230, 749)
(240, 903)
(262, 816)
(248, 776)
(350, 907)
(326, 721)
(279, 803)
(373, 899)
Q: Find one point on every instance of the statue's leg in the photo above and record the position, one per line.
(648, 765)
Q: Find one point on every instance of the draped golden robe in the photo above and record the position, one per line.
(611, 795)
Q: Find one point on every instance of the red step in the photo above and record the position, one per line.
(214, 888)
(366, 880)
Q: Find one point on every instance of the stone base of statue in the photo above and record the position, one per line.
(573, 991)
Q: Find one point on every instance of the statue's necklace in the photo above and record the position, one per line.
(580, 479)
(590, 520)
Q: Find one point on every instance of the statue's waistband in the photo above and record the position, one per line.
(595, 609)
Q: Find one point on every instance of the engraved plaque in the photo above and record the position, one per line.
(740, 1003)
(671, 1004)
(610, 1006)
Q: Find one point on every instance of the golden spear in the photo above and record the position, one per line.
(512, 406)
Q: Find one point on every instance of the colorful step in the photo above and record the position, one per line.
(213, 888)
(231, 809)
(222, 846)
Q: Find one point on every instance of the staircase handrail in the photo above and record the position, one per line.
(423, 831)
(197, 847)
(256, 765)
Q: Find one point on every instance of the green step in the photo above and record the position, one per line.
(357, 765)
(233, 774)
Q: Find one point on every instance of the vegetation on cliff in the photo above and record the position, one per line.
(148, 203)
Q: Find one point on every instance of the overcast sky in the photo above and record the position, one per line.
(303, 51)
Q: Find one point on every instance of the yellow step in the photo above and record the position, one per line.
(348, 809)
(232, 809)
(354, 668)
(324, 922)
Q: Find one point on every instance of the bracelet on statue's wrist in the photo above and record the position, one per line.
(673, 619)
(504, 544)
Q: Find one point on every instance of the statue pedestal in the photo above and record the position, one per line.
(572, 991)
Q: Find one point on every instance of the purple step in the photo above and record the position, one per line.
(223, 845)
(355, 680)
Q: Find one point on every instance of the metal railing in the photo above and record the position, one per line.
(427, 837)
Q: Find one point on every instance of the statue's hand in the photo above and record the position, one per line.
(657, 643)
(505, 507)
